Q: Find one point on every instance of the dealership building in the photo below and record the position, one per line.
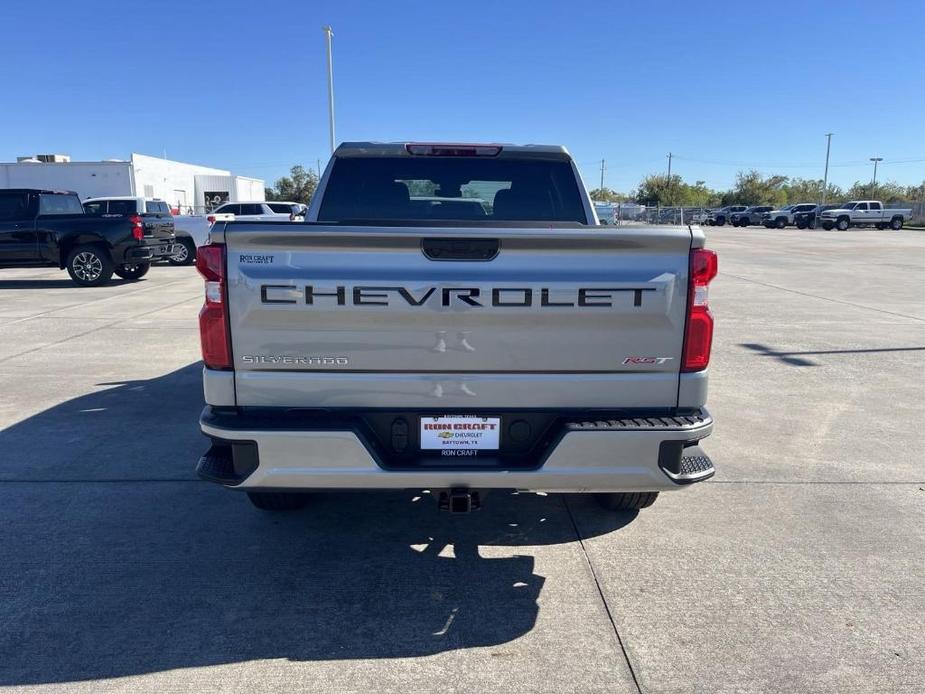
(188, 188)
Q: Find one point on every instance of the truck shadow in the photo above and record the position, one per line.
(798, 358)
(117, 562)
(61, 284)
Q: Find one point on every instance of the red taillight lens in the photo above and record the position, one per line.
(213, 318)
(211, 219)
(698, 333)
(138, 227)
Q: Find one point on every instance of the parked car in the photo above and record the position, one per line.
(808, 218)
(700, 216)
(48, 228)
(721, 216)
(341, 357)
(260, 211)
(785, 215)
(153, 211)
(749, 216)
(298, 212)
(864, 213)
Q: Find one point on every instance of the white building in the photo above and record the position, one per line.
(190, 188)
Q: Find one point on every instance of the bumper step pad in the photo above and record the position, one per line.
(695, 464)
(689, 421)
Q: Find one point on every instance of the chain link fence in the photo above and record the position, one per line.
(620, 214)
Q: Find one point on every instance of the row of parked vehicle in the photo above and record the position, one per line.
(101, 237)
(809, 215)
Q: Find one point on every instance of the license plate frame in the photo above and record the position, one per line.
(459, 434)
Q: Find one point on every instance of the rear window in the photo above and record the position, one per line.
(98, 207)
(280, 208)
(157, 207)
(122, 207)
(384, 189)
(59, 204)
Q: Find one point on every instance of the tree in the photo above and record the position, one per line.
(886, 192)
(754, 189)
(810, 190)
(657, 189)
(916, 193)
(421, 188)
(607, 195)
(298, 186)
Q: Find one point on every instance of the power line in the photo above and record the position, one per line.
(793, 165)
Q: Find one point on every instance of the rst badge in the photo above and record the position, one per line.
(646, 361)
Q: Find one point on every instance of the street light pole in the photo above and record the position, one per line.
(330, 35)
(825, 180)
(875, 160)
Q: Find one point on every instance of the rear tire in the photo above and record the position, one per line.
(626, 502)
(801, 225)
(186, 255)
(278, 501)
(89, 266)
(132, 271)
(896, 223)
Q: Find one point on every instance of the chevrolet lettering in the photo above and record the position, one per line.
(455, 318)
(476, 297)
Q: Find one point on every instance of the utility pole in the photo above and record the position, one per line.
(825, 180)
(318, 164)
(669, 179)
(875, 160)
(602, 179)
(330, 35)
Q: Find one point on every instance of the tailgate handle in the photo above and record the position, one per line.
(460, 249)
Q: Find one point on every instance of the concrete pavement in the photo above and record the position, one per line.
(798, 568)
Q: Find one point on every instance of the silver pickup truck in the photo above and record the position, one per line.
(864, 213)
(454, 318)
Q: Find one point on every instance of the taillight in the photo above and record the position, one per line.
(213, 318)
(211, 219)
(138, 227)
(698, 333)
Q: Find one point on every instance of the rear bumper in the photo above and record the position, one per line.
(325, 451)
(154, 251)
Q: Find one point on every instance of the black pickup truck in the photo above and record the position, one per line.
(46, 228)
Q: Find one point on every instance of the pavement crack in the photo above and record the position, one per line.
(600, 592)
(93, 330)
(825, 298)
(81, 304)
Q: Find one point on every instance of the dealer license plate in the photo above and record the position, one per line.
(460, 433)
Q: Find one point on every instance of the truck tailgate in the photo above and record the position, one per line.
(333, 315)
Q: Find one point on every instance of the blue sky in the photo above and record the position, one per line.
(724, 86)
